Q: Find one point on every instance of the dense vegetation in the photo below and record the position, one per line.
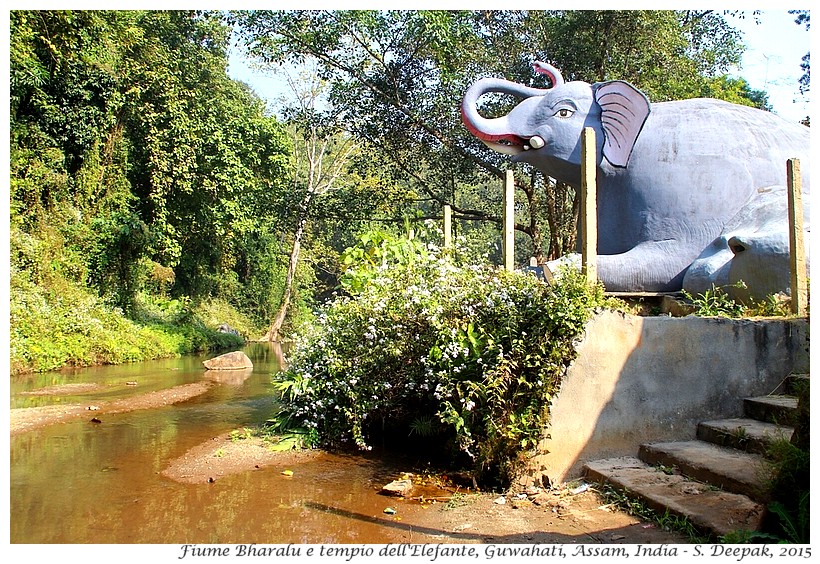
(420, 345)
(143, 183)
(154, 199)
(397, 78)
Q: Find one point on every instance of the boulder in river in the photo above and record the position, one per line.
(236, 360)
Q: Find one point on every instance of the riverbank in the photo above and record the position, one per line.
(61, 324)
(437, 512)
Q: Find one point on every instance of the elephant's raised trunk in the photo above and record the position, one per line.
(496, 133)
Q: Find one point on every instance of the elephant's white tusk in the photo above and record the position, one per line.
(536, 142)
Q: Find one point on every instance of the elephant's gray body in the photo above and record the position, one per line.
(686, 169)
(694, 166)
(753, 248)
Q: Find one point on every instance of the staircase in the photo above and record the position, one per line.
(718, 481)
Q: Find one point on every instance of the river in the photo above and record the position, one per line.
(79, 482)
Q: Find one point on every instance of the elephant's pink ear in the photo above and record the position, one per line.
(624, 110)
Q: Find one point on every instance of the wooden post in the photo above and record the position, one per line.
(448, 226)
(799, 284)
(508, 249)
(589, 208)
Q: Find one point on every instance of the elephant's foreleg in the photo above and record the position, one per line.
(657, 266)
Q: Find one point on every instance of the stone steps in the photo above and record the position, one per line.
(742, 433)
(726, 468)
(709, 510)
(773, 409)
(718, 481)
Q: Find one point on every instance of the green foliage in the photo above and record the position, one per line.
(274, 439)
(130, 142)
(139, 171)
(790, 488)
(788, 516)
(715, 302)
(116, 257)
(214, 312)
(459, 499)
(61, 324)
(374, 251)
(479, 349)
(395, 74)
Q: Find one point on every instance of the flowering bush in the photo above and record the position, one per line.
(423, 345)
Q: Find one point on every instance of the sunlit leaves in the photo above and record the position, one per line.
(477, 351)
(130, 114)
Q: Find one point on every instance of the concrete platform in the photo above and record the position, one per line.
(711, 511)
(649, 379)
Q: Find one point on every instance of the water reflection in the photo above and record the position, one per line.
(83, 483)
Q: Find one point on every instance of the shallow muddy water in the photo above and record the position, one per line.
(80, 482)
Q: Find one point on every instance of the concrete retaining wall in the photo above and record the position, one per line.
(644, 379)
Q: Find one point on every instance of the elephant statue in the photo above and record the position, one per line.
(751, 258)
(671, 175)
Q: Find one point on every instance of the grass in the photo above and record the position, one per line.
(457, 500)
(66, 325)
(635, 506)
(668, 470)
(243, 434)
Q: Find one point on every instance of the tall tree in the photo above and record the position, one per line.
(803, 17)
(322, 156)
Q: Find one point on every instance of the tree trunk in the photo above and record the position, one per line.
(273, 333)
(562, 217)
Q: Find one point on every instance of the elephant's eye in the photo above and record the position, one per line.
(564, 113)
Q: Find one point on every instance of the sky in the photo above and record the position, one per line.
(775, 48)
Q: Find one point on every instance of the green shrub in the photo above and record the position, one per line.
(716, 302)
(476, 350)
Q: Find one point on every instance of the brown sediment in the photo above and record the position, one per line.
(222, 456)
(62, 389)
(554, 516)
(29, 418)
